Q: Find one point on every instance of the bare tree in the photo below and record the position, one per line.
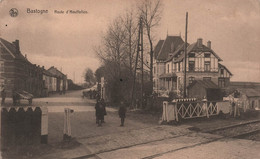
(151, 12)
(130, 26)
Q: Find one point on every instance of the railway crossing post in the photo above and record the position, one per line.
(67, 125)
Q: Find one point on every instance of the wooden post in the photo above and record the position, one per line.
(185, 56)
(176, 111)
(205, 106)
(67, 125)
(44, 125)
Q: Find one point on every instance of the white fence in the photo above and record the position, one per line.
(177, 110)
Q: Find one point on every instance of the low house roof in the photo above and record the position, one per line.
(205, 84)
(48, 73)
(54, 71)
(250, 92)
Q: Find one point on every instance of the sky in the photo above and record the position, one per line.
(67, 41)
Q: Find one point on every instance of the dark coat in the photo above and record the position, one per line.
(99, 111)
(104, 107)
(122, 111)
(3, 94)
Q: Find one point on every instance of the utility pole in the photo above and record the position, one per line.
(185, 56)
(139, 48)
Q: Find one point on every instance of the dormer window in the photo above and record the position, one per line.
(191, 54)
(207, 55)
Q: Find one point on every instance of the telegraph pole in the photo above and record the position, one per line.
(185, 56)
(139, 48)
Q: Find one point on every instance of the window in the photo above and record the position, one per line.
(191, 79)
(222, 71)
(207, 55)
(253, 104)
(191, 66)
(154, 70)
(207, 65)
(191, 54)
(206, 78)
(221, 82)
(2, 66)
(168, 68)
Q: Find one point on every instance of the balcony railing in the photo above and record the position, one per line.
(197, 70)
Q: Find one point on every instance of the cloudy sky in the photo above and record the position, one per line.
(66, 41)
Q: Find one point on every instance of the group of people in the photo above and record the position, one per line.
(101, 112)
(92, 94)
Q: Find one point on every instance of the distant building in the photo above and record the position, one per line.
(62, 82)
(202, 64)
(50, 81)
(247, 98)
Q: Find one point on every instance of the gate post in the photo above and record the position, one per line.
(164, 114)
(67, 125)
(205, 105)
(44, 126)
(176, 110)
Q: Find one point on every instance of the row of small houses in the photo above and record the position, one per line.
(18, 73)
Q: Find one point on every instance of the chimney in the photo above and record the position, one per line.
(17, 46)
(199, 42)
(209, 44)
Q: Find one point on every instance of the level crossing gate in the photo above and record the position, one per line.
(188, 108)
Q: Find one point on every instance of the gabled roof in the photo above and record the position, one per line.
(157, 48)
(11, 49)
(205, 84)
(47, 73)
(220, 65)
(54, 71)
(177, 51)
(194, 48)
(166, 45)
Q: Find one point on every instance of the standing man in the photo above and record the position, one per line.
(99, 113)
(102, 102)
(3, 95)
(122, 113)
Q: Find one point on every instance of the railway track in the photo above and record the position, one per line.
(242, 130)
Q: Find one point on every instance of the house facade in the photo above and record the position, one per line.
(50, 81)
(202, 63)
(17, 73)
(61, 79)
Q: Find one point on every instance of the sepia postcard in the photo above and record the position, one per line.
(129, 79)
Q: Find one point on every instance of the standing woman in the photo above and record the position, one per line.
(122, 113)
